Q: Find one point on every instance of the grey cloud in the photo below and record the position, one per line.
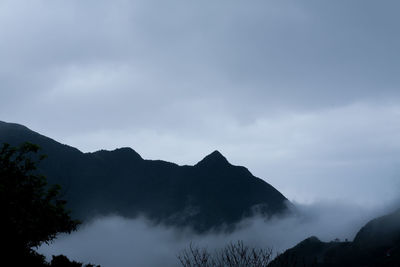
(272, 83)
(116, 241)
(279, 53)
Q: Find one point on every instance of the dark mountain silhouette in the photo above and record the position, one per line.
(377, 244)
(210, 194)
(380, 232)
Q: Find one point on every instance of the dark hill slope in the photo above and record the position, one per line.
(377, 244)
(380, 232)
(210, 194)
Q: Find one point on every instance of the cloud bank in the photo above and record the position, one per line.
(117, 241)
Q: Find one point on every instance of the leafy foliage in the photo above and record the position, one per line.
(32, 212)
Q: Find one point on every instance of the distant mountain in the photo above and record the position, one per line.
(377, 244)
(211, 194)
(380, 232)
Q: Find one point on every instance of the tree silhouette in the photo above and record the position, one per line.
(232, 255)
(31, 211)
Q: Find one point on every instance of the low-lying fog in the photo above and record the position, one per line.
(116, 241)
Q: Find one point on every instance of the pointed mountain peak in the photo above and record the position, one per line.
(214, 159)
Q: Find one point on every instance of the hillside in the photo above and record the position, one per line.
(377, 244)
(210, 194)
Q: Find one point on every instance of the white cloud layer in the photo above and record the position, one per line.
(116, 241)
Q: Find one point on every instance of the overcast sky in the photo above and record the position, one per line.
(303, 93)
